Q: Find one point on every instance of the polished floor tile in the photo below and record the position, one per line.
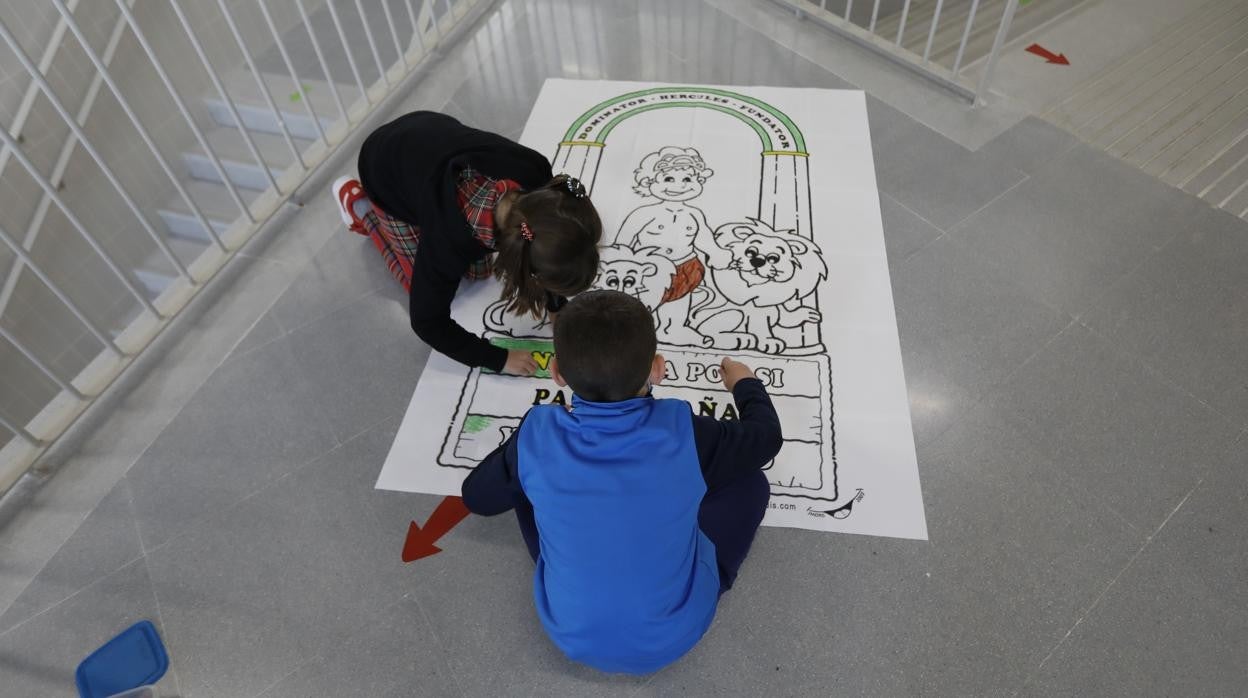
(1115, 429)
(363, 359)
(38, 657)
(1071, 333)
(344, 269)
(1075, 227)
(1176, 621)
(286, 575)
(399, 656)
(964, 328)
(1185, 312)
(905, 232)
(255, 419)
(105, 542)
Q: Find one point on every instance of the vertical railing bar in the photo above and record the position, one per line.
(823, 4)
(186, 115)
(875, 14)
(394, 32)
(372, 42)
(411, 13)
(346, 48)
(43, 182)
(105, 75)
(264, 88)
(228, 101)
(320, 57)
(290, 67)
(1007, 16)
(437, 29)
(60, 295)
(21, 432)
(966, 35)
(901, 27)
(931, 33)
(35, 226)
(64, 384)
(849, 8)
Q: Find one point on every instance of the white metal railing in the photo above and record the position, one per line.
(414, 32)
(939, 39)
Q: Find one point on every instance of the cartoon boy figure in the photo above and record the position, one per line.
(676, 230)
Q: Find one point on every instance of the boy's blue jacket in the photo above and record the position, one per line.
(625, 581)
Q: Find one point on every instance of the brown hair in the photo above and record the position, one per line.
(559, 251)
(605, 344)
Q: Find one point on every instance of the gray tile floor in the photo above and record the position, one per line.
(1072, 335)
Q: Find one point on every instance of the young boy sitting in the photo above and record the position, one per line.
(637, 512)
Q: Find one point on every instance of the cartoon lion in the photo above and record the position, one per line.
(644, 274)
(770, 271)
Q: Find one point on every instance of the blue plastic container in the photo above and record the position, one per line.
(134, 658)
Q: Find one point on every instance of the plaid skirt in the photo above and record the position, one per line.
(397, 241)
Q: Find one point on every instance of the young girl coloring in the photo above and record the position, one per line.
(442, 201)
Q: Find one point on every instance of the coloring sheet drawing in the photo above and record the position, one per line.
(747, 220)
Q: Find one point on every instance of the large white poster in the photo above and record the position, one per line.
(747, 218)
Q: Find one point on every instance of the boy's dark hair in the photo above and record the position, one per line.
(605, 345)
(562, 255)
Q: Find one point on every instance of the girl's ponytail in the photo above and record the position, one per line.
(549, 244)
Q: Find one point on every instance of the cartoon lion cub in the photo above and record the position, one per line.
(769, 272)
(643, 274)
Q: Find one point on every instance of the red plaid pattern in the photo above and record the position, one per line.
(398, 240)
(478, 196)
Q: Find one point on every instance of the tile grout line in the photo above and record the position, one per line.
(177, 682)
(1025, 178)
(433, 630)
(42, 567)
(74, 595)
(1164, 379)
(1096, 602)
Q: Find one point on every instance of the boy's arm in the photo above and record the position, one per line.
(729, 449)
(493, 487)
(632, 226)
(704, 241)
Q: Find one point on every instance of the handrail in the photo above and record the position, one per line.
(120, 346)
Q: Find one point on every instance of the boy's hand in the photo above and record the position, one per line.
(733, 371)
(520, 363)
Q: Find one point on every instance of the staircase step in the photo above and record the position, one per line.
(1151, 92)
(1209, 173)
(237, 160)
(1112, 84)
(1207, 133)
(257, 115)
(155, 272)
(215, 202)
(1210, 151)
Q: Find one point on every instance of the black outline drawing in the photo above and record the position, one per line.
(722, 314)
(815, 479)
(670, 178)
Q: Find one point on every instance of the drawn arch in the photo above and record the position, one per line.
(784, 182)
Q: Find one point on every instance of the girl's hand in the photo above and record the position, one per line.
(520, 363)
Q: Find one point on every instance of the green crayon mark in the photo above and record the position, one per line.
(475, 423)
(542, 350)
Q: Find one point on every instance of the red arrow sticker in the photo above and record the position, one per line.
(420, 540)
(1047, 55)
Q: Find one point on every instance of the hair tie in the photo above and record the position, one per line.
(574, 186)
(525, 231)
